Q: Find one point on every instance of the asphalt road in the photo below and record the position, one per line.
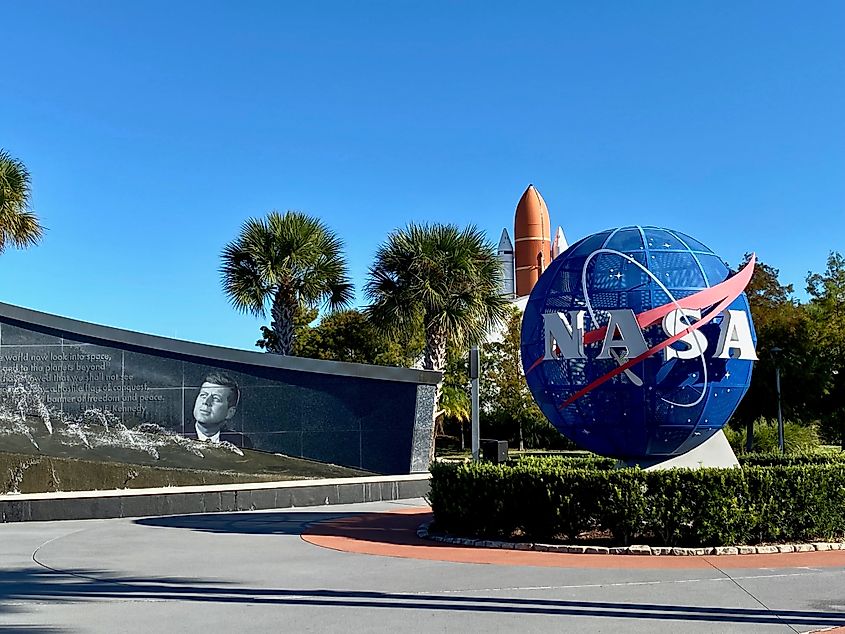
(253, 572)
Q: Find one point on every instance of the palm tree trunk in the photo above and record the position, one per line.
(434, 358)
(283, 312)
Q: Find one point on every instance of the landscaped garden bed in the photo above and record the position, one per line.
(588, 502)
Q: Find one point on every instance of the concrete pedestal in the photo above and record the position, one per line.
(714, 452)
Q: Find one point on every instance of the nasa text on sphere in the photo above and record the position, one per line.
(638, 342)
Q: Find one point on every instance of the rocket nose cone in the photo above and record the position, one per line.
(530, 197)
(531, 212)
(505, 244)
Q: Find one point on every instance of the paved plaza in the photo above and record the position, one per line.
(362, 568)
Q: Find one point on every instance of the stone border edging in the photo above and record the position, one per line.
(637, 549)
(215, 498)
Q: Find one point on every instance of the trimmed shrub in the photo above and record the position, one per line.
(762, 459)
(582, 461)
(546, 498)
(772, 459)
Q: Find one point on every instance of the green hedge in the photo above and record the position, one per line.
(592, 461)
(583, 461)
(772, 459)
(545, 498)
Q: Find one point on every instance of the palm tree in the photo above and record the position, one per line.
(455, 404)
(444, 276)
(18, 225)
(288, 261)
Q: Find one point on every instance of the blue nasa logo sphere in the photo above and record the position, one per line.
(628, 393)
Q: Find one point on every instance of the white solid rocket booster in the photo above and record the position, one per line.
(559, 244)
(506, 262)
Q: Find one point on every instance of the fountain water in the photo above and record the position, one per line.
(25, 418)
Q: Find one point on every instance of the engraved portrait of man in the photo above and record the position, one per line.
(216, 403)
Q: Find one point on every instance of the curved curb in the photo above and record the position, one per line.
(212, 498)
(637, 549)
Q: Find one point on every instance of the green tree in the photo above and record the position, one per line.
(455, 406)
(349, 336)
(286, 261)
(508, 408)
(826, 313)
(446, 278)
(301, 326)
(19, 226)
(827, 302)
(766, 295)
(781, 324)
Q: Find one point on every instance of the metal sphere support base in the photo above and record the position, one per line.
(714, 452)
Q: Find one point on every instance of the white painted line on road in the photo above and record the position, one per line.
(624, 583)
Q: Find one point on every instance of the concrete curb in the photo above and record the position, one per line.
(637, 549)
(79, 505)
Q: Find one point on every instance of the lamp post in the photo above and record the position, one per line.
(842, 441)
(474, 372)
(775, 352)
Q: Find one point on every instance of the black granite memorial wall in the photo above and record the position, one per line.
(369, 417)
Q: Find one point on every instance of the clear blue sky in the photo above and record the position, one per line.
(154, 129)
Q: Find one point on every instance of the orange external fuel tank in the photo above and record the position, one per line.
(532, 240)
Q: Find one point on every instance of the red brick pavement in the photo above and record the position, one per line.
(394, 535)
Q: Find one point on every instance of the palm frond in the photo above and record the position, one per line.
(288, 257)
(18, 225)
(451, 276)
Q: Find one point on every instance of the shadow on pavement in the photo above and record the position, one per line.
(39, 584)
(249, 523)
(390, 528)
